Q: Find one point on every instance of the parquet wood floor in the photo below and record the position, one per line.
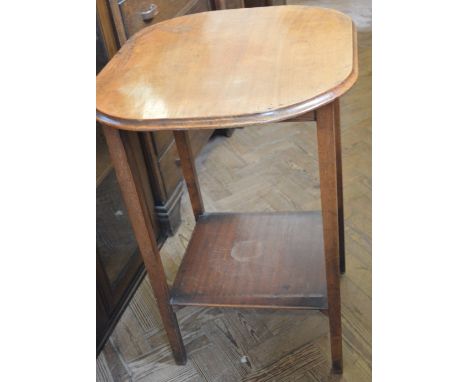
(267, 168)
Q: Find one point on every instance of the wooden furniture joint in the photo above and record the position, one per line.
(211, 77)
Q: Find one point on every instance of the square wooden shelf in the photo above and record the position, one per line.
(254, 260)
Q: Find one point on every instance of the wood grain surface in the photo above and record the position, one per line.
(326, 147)
(264, 168)
(273, 260)
(228, 68)
(143, 229)
(226, 344)
(187, 161)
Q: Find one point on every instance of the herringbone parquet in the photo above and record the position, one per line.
(265, 168)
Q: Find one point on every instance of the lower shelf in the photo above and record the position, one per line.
(254, 260)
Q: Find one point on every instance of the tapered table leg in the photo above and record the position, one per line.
(143, 228)
(326, 142)
(339, 181)
(189, 171)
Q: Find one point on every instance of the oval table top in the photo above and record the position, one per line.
(228, 68)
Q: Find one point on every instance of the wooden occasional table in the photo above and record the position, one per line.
(227, 69)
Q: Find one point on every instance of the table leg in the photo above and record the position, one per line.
(339, 181)
(143, 228)
(187, 162)
(326, 142)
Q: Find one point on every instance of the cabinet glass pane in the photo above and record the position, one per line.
(116, 244)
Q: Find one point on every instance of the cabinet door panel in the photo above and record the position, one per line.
(162, 140)
(116, 243)
(170, 170)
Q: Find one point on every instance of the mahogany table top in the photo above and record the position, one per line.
(228, 68)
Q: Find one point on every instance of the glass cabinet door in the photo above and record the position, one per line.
(116, 244)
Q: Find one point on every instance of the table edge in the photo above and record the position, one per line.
(241, 120)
